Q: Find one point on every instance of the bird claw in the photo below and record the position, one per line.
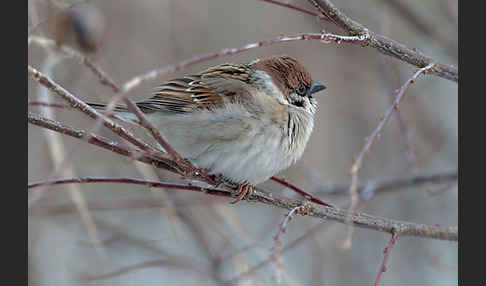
(243, 192)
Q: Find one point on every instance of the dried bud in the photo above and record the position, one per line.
(84, 23)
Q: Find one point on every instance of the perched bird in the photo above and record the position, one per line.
(245, 122)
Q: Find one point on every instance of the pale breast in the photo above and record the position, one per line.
(237, 143)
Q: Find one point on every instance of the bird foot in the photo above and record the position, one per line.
(243, 192)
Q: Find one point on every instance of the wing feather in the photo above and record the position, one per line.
(210, 89)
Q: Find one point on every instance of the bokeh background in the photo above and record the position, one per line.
(157, 237)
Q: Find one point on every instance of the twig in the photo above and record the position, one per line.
(405, 10)
(100, 141)
(277, 248)
(58, 154)
(376, 133)
(383, 44)
(301, 192)
(323, 37)
(83, 107)
(386, 253)
(290, 246)
(353, 189)
(147, 183)
(297, 8)
(48, 104)
(69, 52)
(367, 190)
(172, 262)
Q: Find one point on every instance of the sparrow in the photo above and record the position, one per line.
(243, 122)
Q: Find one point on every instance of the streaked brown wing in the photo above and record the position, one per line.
(210, 89)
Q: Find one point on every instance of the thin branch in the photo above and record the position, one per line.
(376, 133)
(48, 104)
(353, 189)
(386, 253)
(147, 183)
(301, 192)
(371, 188)
(83, 107)
(270, 259)
(164, 163)
(387, 72)
(383, 44)
(69, 52)
(277, 248)
(171, 262)
(323, 37)
(405, 10)
(297, 8)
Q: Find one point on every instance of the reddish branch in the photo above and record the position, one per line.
(301, 192)
(101, 142)
(366, 191)
(386, 253)
(147, 183)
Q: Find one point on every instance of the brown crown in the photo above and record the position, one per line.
(286, 72)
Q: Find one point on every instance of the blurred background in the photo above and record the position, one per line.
(117, 234)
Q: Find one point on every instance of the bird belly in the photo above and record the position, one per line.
(234, 143)
(252, 159)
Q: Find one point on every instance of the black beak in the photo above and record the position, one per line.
(316, 87)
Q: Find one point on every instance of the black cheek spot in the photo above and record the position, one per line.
(299, 103)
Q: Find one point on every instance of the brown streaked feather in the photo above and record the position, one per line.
(207, 90)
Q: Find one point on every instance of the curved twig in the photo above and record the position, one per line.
(384, 44)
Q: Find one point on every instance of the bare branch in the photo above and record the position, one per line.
(376, 133)
(292, 245)
(353, 189)
(83, 107)
(297, 8)
(324, 38)
(100, 141)
(301, 192)
(50, 44)
(147, 183)
(383, 44)
(371, 188)
(357, 219)
(386, 253)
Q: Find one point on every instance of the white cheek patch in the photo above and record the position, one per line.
(265, 82)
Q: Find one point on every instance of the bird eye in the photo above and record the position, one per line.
(302, 90)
